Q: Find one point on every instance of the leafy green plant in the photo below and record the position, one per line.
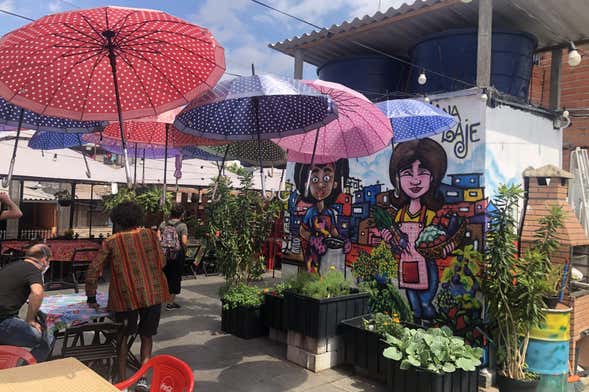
(380, 262)
(435, 350)
(238, 224)
(63, 195)
(332, 284)
(147, 198)
(124, 194)
(514, 286)
(383, 324)
(546, 243)
(386, 299)
(241, 295)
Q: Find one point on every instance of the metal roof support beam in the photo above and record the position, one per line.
(298, 63)
(485, 38)
(555, 67)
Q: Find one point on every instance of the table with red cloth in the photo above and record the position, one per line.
(62, 250)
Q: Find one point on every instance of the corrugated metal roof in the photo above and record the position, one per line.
(552, 22)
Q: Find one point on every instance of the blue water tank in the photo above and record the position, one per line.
(373, 76)
(454, 53)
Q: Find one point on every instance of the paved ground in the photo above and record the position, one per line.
(226, 363)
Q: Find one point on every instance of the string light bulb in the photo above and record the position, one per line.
(484, 97)
(422, 79)
(566, 114)
(54, 157)
(574, 57)
(426, 100)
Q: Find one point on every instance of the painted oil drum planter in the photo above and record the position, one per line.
(320, 318)
(548, 350)
(363, 349)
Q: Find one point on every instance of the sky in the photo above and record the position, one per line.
(242, 27)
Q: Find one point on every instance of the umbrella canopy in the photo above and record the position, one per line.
(10, 118)
(62, 64)
(295, 156)
(108, 63)
(54, 141)
(147, 135)
(257, 106)
(413, 119)
(266, 153)
(360, 130)
(149, 152)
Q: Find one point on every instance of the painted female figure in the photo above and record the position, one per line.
(416, 170)
(320, 223)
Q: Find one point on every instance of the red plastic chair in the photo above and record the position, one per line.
(10, 355)
(169, 375)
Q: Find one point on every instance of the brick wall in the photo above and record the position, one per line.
(574, 94)
(579, 319)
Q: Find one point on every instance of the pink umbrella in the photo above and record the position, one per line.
(108, 63)
(361, 129)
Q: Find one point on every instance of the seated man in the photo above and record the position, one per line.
(20, 281)
(137, 285)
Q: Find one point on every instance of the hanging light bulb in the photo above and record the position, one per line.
(484, 97)
(426, 100)
(566, 114)
(574, 58)
(422, 79)
(54, 157)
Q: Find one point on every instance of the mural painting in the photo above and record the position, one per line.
(422, 199)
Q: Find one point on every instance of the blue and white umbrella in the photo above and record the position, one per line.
(412, 119)
(42, 140)
(12, 116)
(256, 107)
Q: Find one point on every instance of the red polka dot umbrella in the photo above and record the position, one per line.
(108, 63)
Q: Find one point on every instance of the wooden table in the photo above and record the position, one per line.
(61, 375)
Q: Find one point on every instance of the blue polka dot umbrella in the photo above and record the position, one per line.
(412, 119)
(43, 140)
(256, 107)
(13, 117)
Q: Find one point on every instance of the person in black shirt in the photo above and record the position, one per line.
(20, 281)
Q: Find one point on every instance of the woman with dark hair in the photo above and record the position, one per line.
(326, 183)
(416, 170)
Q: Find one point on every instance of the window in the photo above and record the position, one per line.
(452, 194)
(358, 210)
(473, 193)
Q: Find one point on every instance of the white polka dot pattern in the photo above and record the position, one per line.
(54, 140)
(10, 116)
(361, 129)
(268, 105)
(250, 152)
(413, 119)
(59, 64)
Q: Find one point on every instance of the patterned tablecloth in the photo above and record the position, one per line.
(65, 310)
(62, 249)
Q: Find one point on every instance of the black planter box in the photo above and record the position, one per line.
(245, 323)
(274, 312)
(319, 318)
(417, 380)
(363, 349)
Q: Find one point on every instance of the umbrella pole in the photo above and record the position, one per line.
(88, 174)
(91, 210)
(135, 168)
(165, 165)
(312, 162)
(220, 167)
(143, 174)
(109, 35)
(6, 180)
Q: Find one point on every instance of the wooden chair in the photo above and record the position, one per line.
(193, 258)
(96, 345)
(81, 266)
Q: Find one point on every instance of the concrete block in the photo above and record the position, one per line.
(312, 345)
(313, 362)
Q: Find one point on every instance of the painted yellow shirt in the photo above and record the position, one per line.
(408, 217)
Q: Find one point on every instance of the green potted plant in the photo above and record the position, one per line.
(64, 198)
(514, 288)
(431, 360)
(320, 303)
(238, 224)
(241, 311)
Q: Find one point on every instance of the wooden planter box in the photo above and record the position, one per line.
(274, 312)
(245, 323)
(363, 349)
(319, 318)
(417, 380)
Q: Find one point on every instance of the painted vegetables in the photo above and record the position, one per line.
(435, 350)
(431, 236)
